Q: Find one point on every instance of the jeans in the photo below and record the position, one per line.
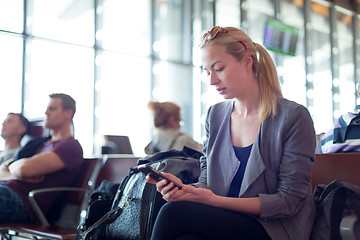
(12, 207)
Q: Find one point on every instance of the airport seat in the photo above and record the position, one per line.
(64, 227)
(115, 167)
(339, 166)
(112, 167)
(117, 144)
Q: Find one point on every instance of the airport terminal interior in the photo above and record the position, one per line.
(114, 56)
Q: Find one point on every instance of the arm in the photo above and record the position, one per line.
(205, 196)
(34, 168)
(4, 171)
(292, 192)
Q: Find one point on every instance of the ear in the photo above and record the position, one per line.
(68, 113)
(248, 61)
(21, 130)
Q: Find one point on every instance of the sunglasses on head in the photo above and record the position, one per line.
(209, 35)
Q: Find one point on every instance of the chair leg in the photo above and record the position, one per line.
(4, 234)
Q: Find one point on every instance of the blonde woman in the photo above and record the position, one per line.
(167, 133)
(259, 150)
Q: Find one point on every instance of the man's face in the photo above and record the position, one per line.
(56, 116)
(12, 126)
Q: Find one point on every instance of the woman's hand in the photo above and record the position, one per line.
(188, 193)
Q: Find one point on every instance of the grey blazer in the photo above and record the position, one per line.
(278, 169)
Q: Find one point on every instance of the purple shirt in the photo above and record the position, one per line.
(70, 152)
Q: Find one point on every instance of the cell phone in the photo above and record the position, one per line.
(155, 174)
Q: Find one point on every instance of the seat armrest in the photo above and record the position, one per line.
(35, 206)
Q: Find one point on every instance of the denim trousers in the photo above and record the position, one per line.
(12, 207)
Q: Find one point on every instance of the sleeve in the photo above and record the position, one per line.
(70, 152)
(294, 182)
(202, 182)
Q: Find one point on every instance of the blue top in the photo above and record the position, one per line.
(242, 154)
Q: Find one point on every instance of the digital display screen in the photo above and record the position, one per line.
(280, 38)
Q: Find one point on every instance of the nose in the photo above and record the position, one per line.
(213, 78)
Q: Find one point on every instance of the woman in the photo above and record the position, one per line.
(167, 134)
(259, 150)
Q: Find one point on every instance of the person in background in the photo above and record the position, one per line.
(57, 164)
(14, 127)
(345, 134)
(258, 154)
(167, 134)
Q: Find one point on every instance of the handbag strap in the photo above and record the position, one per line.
(109, 217)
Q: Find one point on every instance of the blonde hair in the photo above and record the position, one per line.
(237, 43)
(163, 111)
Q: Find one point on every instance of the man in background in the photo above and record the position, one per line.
(345, 135)
(14, 127)
(56, 164)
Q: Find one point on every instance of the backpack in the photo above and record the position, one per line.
(136, 202)
(333, 202)
(31, 147)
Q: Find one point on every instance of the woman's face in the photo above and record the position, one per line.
(230, 76)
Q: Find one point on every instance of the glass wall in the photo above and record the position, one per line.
(10, 74)
(11, 15)
(172, 66)
(114, 57)
(57, 67)
(123, 79)
(321, 63)
(293, 85)
(346, 81)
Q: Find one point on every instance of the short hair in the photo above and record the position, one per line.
(24, 121)
(67, 101)
(163, 111)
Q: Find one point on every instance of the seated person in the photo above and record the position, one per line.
(345, 135)
(14, 127)
(258, 153)
(167, 134)
(57, 164)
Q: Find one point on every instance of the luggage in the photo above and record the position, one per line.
(136, 203)
(334, 202)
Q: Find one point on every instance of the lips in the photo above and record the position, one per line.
(221, 90)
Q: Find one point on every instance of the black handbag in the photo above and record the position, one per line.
(137, 202)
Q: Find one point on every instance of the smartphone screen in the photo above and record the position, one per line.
(146, 169)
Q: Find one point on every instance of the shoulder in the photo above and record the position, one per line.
(290, 118)
(291, 111)
(221, 106)
(217, 112)
(69, 145)
(67, 142)
(285, 106)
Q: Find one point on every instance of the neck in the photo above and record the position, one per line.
(12, 143)
(59, 134)
(248, 104)
(247, 108)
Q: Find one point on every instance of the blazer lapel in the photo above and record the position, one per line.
(254, 168)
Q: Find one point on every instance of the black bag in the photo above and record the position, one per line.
(333, 202)
(137, 202)
(100, 202)
(30, 148)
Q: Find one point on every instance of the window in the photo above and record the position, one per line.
(10, 75)
(61, 68)
(320, 60)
